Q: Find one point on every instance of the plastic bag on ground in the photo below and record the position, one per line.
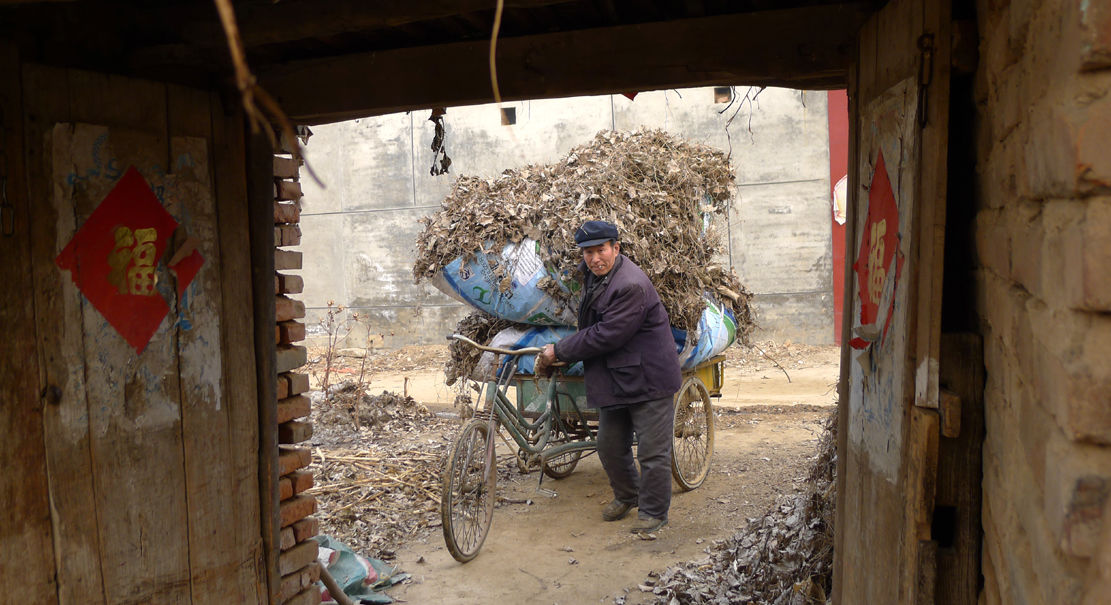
(361, 578)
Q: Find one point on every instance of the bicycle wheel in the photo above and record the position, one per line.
(562, 465)
(467, 492)
(693, 443)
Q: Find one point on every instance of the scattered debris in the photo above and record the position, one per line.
(782, 558)
(660, 191)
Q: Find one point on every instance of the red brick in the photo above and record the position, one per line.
(297, 508)
(294, 431)
(283, 386)
(308, 596)
(285, 488)
(286, 213)
(291, 357)
(291, 585)
(297, 558)
(298, 383)
(1088, 258)
(287, 190)
(290, 284)
(306, 528)
(286, 309)
(294, 407)
(293, 458)
(287, 540)
(290, 332)
(287, 235)
(286, 168)
(1095, 34)
(301, 480)
(287, 260)
(313, 571)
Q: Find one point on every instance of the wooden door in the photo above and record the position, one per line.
(147, 428)
(889, 426)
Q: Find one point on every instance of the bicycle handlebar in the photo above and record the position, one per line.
(521, 351)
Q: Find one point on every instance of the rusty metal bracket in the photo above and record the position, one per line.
(925, 75)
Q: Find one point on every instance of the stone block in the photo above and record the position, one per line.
(1077, 494)
(1073, 377)
(1091, 122)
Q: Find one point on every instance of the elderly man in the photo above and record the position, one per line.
(632, 373)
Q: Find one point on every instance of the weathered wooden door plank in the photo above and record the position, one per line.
(58, 326)
(228, 163)
(27, 556)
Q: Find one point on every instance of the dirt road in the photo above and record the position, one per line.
(558, 550)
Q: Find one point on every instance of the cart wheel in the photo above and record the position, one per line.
(562, 465)
(694, 434)
(467, 491)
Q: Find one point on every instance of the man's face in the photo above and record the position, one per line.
(599, 259)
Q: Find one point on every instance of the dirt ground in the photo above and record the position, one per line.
(544, 549)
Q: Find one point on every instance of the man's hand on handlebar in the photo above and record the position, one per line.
(544, 361)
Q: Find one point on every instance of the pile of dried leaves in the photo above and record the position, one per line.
(656, 188)
(374, 498)
(348, 404)
(375, 484)
(783, 558)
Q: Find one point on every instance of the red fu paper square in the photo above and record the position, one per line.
(114, 259)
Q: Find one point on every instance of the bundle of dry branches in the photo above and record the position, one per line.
(660, 191)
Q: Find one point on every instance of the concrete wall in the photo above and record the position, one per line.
(359, 231)
(1043, 229)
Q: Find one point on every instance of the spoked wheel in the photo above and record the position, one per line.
(467, 498)
(562, 465)
(694, 434)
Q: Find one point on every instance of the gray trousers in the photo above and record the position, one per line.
(654, 423)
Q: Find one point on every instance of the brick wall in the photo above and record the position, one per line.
(1043, 240)
(297, 562)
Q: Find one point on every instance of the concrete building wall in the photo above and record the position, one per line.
(1043, 229)
(360, 229)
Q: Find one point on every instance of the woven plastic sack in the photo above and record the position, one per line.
(476, 283)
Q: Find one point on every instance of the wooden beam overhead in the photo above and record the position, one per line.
(800, 48)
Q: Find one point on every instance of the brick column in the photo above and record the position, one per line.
(297, 562)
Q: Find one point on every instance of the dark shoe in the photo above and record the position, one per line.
(616, 510)
(648, 526)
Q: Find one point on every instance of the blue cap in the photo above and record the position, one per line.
(593, 233)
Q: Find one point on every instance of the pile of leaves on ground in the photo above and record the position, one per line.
(659, 190)
(782, 558)
(375, 483)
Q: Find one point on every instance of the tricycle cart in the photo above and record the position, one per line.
(553, 428)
